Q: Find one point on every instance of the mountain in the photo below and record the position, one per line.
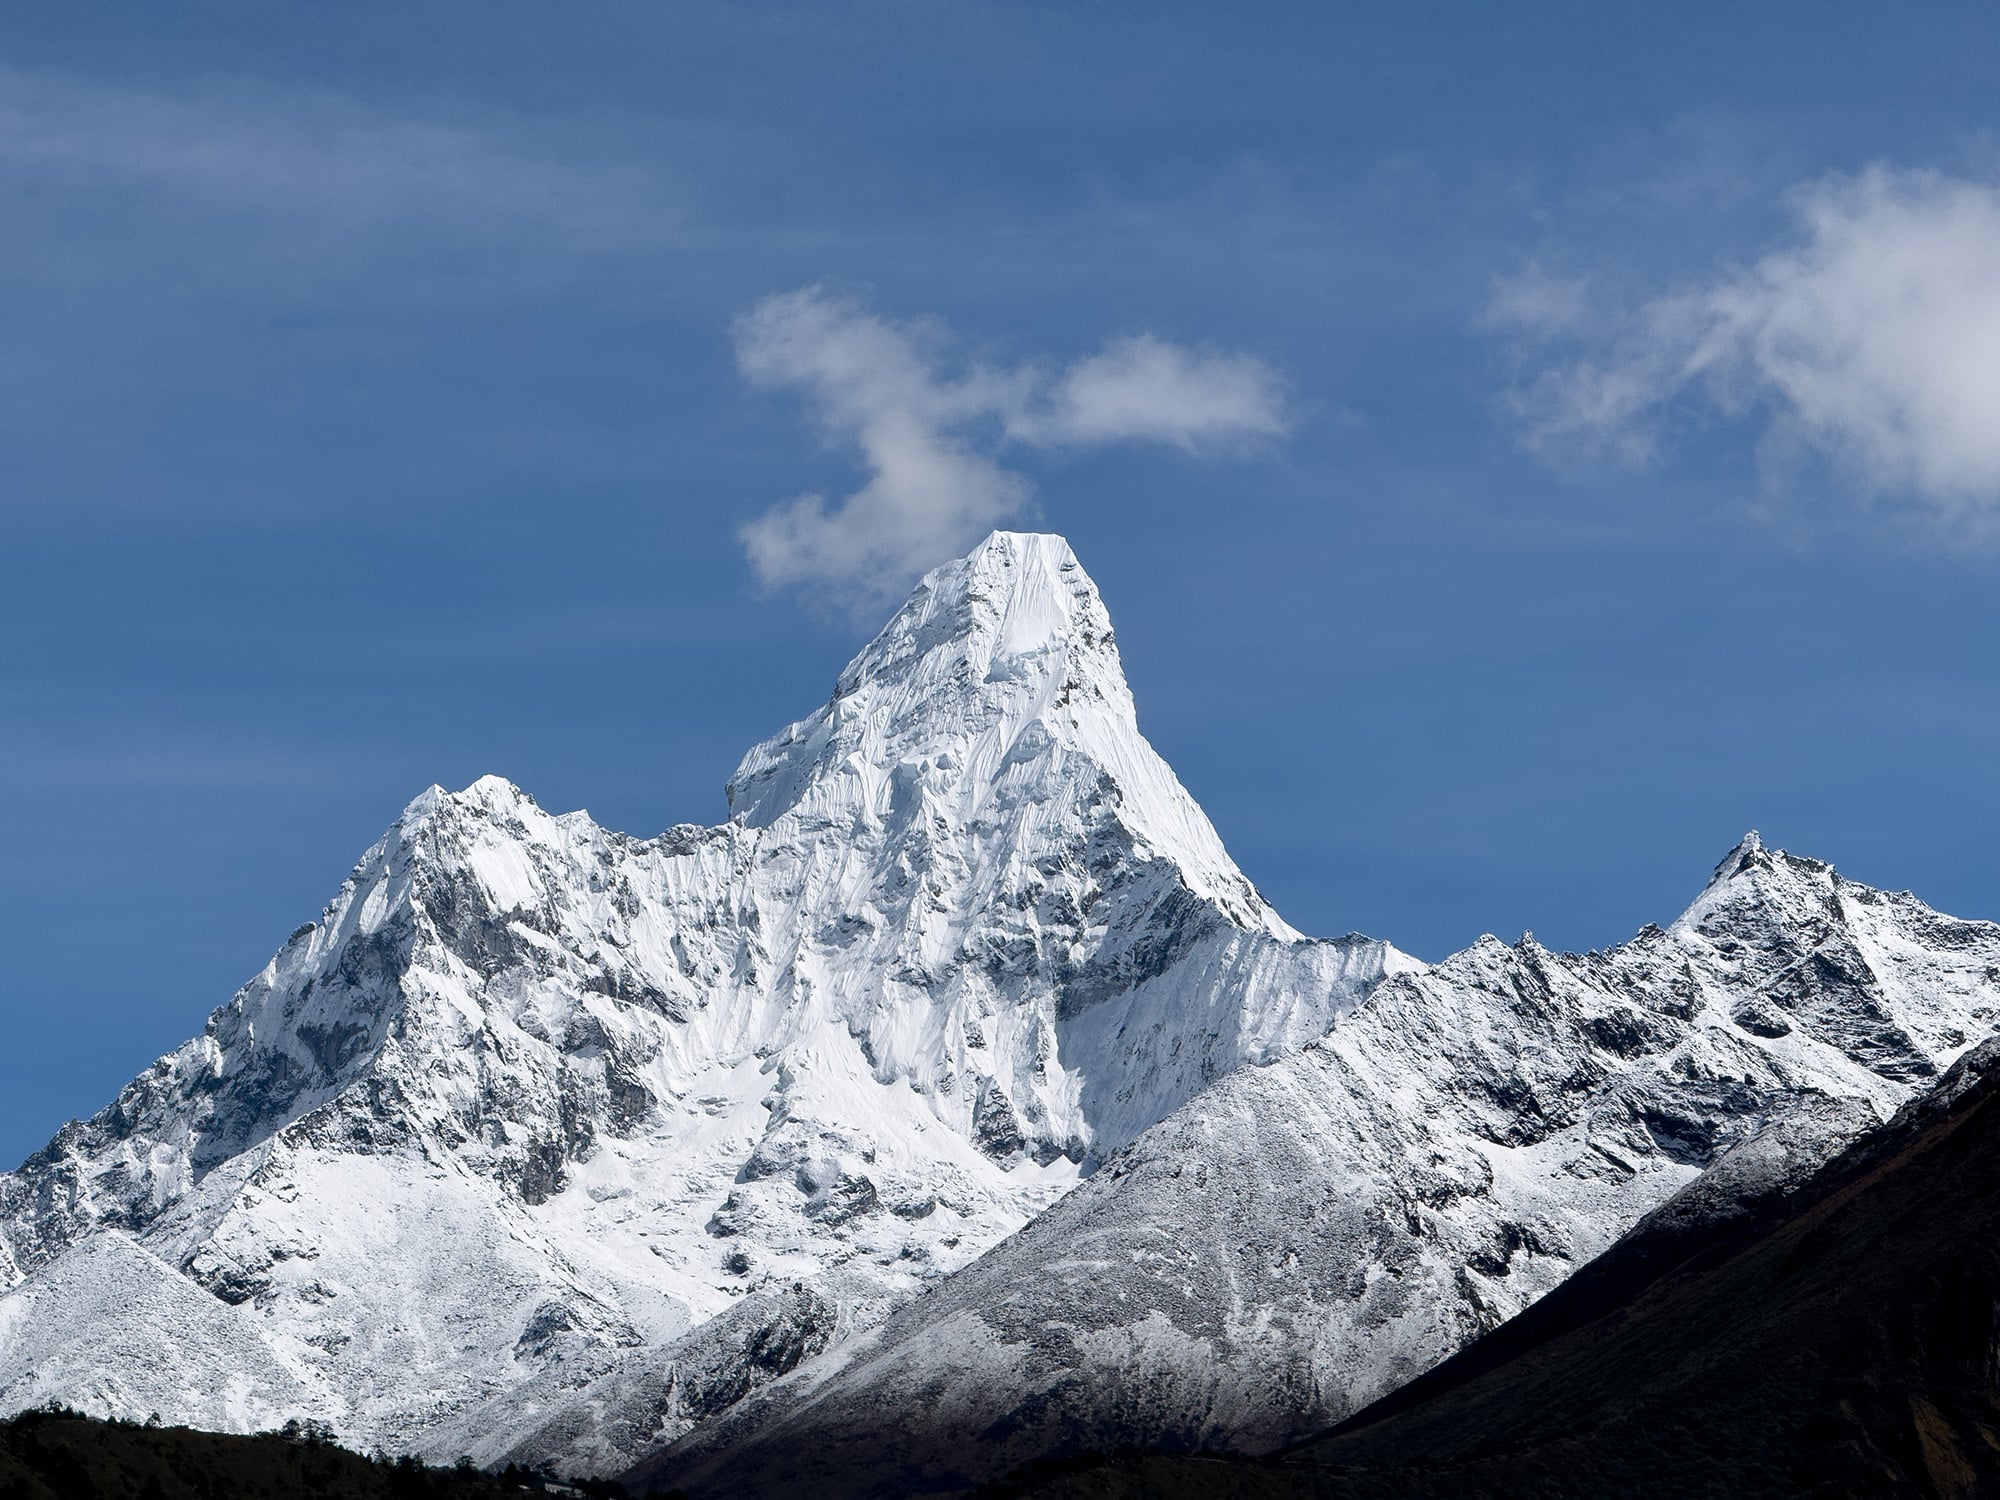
(1305, 1237)
(954, 1104)
(1833, 1332)
(544, 1128)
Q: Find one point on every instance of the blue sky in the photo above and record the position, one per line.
(1566, 438)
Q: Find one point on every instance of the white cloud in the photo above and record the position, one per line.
(1145, 388)
(871, 383)
(928, 439)
(1872, 339)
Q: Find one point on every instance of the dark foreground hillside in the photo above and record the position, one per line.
(62, 1456)
(1844, 1341)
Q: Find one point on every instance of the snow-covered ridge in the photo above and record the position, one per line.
(1302, 1238)
(532, 1098)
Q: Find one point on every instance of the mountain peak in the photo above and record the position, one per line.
(1017, 600)
(1755, 884)
(995, 689)
(1749, 853)
(490, 793)
(980, 649)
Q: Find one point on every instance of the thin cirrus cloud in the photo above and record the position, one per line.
(1872, 339)
(238, 182)
(929, 438)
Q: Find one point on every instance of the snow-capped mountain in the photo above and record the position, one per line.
(549, 1142)
(1302, 1238)
(535, 1104)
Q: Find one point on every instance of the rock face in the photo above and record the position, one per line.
(537, 1113)
(1304, 1237)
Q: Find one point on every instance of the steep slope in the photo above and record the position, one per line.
(532, 1102)
(1303, 1238)
(1835, 1335)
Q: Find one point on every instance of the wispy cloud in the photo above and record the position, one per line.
(315, 180)
(1872, 339)
(930, 439)
(1533, 301)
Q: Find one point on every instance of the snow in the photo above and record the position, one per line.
(533, 1101)
(1302, 1238)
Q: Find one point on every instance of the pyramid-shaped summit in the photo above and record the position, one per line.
(997, 687)
(1013, 634)
(534, 1103)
